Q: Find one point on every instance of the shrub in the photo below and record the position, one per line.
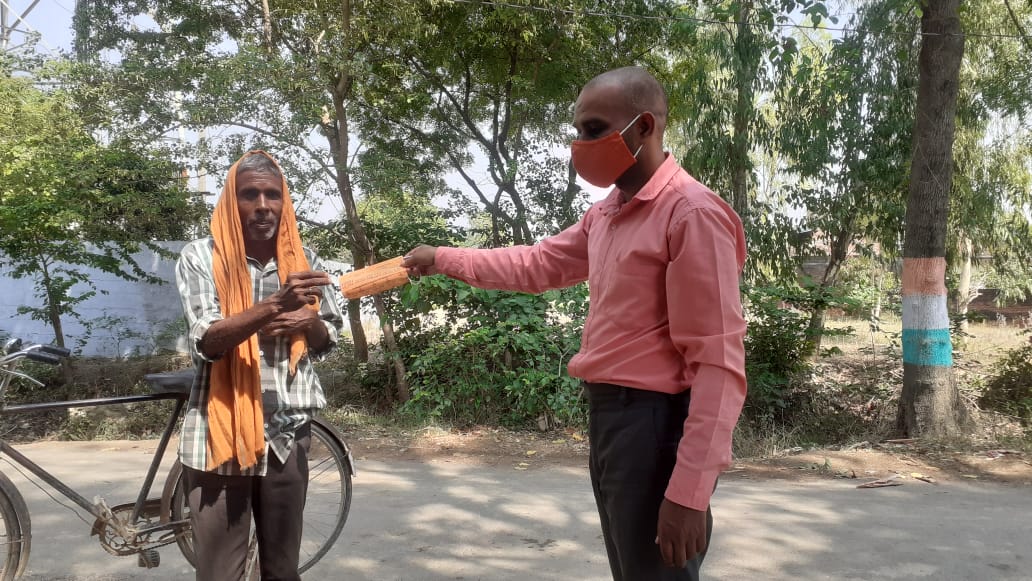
(776, 347)
(484, 356)
(1009, 388)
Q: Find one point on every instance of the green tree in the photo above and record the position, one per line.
(68, 203)
(992, 186)
(493, 84)
(848, 140)
(280, 72)
(725, 80)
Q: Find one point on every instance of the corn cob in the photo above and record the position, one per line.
(374, 279)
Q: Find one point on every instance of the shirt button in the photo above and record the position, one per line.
(612, 226)
(266, 426)
(261, 353)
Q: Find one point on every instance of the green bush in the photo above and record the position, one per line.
(1009, 388)
(483, 356)
(776, 347)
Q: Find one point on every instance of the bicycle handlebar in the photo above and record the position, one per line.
(55, 350)
(43, 357)
(50, 354)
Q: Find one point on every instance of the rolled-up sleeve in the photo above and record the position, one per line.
(707, 252)
(200, 299)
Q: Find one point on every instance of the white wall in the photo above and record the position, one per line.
(128, 318)
(141, 317)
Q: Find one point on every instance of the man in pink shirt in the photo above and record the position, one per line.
(662, 355)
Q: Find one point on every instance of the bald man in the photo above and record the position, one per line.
(662, 356)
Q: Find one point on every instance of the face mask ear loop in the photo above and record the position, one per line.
(633, 121)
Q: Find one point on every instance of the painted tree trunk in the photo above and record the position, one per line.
(930, 404)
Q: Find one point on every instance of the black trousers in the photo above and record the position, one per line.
(633, 437)
(221, 508)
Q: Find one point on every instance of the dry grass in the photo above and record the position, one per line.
(852, 393)
(985, 342)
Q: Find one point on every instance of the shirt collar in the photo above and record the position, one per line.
(652, 188)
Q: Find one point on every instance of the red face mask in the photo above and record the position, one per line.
(602, 161)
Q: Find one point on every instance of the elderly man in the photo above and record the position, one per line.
(662, 356)
(259, 311)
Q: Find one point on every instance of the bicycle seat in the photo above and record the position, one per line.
(171, 382)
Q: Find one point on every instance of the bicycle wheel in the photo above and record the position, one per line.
(326, 508)
(329, 496)
(15, 529)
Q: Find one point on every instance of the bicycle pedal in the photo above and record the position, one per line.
(148, 558)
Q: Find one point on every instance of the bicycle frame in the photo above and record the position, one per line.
(70, 493)
(143, 526)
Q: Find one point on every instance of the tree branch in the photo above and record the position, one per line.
(1017, 24)
(313, 154)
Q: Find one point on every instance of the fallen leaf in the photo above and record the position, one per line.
(577, 436)
(971, 476)
(531, 452)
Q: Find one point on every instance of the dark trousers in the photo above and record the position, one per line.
(634, 436)
(221, 508)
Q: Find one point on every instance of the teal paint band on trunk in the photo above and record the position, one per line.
(927, 347)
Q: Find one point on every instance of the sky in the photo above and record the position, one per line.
(51, 18)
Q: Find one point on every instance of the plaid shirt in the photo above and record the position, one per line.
(288, 402)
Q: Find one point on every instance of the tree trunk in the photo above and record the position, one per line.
(839, 252)
(879, 286)
(54, 315)
(746, 73)
(358, 337)
(363, 247)
(359, 251)
(930, 404)
(964, 294)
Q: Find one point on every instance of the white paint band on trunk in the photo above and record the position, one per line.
(925, 312)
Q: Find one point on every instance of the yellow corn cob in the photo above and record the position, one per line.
(374, 279)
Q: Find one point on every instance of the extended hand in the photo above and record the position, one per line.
(300, 289)
(680, 534)
(419, 260)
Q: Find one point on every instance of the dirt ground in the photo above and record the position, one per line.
(909, 461)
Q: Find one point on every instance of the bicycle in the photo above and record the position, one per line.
(141, 527)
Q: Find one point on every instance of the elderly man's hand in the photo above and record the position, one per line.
(291, 323)
(300, 289)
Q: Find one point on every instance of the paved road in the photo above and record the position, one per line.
(445, 520)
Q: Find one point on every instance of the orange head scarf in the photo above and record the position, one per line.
(236, 424)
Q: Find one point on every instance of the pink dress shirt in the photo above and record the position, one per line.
(665, 312)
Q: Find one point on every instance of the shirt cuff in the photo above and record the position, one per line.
(692, 489)
(197, 332)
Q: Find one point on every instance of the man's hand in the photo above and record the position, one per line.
(291, 323)
(299, 290)
(419, 260)
(680, 534)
